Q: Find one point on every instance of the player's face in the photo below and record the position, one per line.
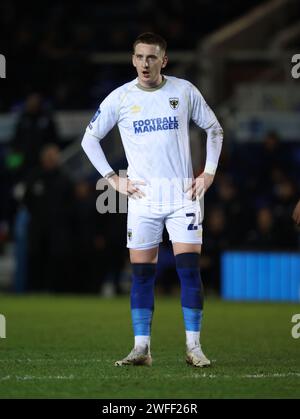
(148, 61)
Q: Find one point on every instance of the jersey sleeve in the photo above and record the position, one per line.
(106, 117)
(102, 122)
(205, 118)
(201, 113)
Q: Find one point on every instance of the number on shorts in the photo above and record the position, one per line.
(192, 225)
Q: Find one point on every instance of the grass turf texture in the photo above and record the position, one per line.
(65, 347)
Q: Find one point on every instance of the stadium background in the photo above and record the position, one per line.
(62, 60)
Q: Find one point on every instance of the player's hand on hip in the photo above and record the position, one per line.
(200, 185)
(126, 186)
(133, 191)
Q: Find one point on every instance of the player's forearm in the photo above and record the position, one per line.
(93, 150)
(213, 147)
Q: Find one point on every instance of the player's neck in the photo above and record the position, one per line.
(152, 85)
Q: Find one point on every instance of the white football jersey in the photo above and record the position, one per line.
(154, 128)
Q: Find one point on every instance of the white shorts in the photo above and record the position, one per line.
(145, 224)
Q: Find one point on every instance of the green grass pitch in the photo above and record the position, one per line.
(65, 347)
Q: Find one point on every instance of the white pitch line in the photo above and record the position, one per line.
(54, 360)
(252, 376)
(33, 378)
(198, 376)
(275, 375)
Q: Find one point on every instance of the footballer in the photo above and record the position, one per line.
(153, 113)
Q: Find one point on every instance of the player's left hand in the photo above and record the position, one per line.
(200, 185)
(296, 214)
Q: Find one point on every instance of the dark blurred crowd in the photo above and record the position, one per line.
(54, 41)
(251, 204)
(61, 242)
(64, 245)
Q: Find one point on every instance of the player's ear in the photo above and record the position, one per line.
(133, 60)
(165, 61)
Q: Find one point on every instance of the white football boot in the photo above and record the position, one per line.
(195, 357)
(138, 356)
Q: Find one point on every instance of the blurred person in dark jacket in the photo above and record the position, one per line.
(35, 128)
(218, 239)
(49, 201)
(264, 236)
(90, 241)
(274, 153)
(116, 250)
(234, 204)
(284, 193)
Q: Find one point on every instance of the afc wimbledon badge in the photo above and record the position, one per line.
(174, 101)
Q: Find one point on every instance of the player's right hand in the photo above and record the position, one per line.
(127, 187)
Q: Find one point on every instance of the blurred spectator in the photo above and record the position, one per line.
(284, 200)
(34, 130)
(284, 194)
(234, 206)
(264, 235)
(49, 201)
(90, 241)
(116, 249)
(273, 155)
(217, 237)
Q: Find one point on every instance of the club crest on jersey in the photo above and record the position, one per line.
(174, 102)
(129, 234)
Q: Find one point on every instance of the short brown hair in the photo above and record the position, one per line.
(151, 38)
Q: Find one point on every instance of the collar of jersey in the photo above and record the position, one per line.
(152, 89)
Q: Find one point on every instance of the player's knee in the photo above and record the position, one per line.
(143, 270)
(187, 260)
(142, 289)
(143, 275)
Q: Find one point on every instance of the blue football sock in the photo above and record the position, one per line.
(187, 265)
(142, 297)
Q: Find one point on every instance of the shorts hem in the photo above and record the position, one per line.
(187, 241)
(143, 246)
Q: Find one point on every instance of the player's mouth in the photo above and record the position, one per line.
(146, 73)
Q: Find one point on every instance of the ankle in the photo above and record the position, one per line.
(142, 342)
